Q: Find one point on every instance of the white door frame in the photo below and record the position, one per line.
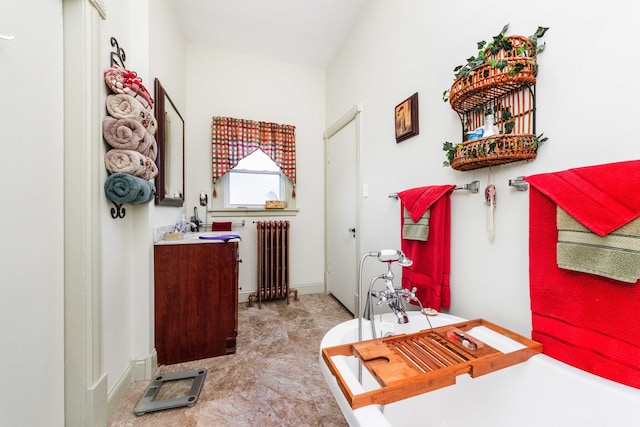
(353, 114)
(85, 379)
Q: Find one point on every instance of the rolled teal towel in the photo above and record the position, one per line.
(123, 188)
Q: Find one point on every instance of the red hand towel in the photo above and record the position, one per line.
(603, 198)
(584, 320)
(431, 259)
(418, 200)
(221, 226)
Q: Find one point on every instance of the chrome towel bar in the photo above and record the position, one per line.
(473, 186)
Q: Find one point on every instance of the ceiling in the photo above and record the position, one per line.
(304, 32)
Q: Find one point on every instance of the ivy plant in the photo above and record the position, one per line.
(499, 42)
(492, 146)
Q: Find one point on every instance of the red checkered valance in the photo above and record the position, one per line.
(234, 139)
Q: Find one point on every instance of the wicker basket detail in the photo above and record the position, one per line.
(488, 82)
(505, 87)
(494, 150)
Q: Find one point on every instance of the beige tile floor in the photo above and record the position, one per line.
(273, 379)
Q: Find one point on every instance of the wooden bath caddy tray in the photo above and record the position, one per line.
(411, 364)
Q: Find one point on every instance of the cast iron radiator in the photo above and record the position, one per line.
(273, 262)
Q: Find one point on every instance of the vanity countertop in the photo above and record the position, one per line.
(202, 237)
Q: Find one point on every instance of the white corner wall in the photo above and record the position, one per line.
(223, 83)
(585, 105)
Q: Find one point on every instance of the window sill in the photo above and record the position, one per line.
(236, 212)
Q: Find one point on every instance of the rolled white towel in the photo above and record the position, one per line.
(124, 134)
(130, 162)
(122, 106)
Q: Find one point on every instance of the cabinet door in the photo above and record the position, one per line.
(195, 301)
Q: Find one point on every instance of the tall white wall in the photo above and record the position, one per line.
(117, 249)
(585, 105)
(155, 48)
(167, 63)
(31, 173)
(223, 83)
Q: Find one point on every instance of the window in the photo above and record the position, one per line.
(252, 162)
(255, 178)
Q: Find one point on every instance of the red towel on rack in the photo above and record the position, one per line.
(584, 320)
(431, 259)
(221, 226)
(603, 198)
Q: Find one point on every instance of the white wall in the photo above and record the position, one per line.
(155, 47)
(585, 105)
(223, 83)
(31, 172)
(167, 63)
(117, 254)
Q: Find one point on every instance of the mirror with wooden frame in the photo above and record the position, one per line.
(170, 139)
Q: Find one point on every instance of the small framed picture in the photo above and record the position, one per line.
(406, 116)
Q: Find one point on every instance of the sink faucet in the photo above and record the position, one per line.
(195, 220)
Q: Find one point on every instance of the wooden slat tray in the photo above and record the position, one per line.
(410, 364)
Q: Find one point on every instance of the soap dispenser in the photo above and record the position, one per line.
(182, 225)
(489, 128)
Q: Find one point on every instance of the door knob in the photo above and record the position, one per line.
(353, 231)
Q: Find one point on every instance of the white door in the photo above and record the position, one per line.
(341, 172)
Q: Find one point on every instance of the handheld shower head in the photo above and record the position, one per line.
(393, 255)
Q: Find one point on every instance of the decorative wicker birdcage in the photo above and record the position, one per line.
(505, 86)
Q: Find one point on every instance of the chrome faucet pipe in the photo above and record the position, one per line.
(389, 256)
(371, 313)
(359, 308)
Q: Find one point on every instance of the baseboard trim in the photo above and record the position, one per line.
(119, 391)
(138, 370)
(305, 289)
(143, 369)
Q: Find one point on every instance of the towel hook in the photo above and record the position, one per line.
(519, 184)
(3, 37)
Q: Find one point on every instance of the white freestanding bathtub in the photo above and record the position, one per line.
(539, 392)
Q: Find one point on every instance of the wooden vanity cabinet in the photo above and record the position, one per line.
(196, 300)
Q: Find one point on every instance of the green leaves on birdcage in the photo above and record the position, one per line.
(500, 42)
